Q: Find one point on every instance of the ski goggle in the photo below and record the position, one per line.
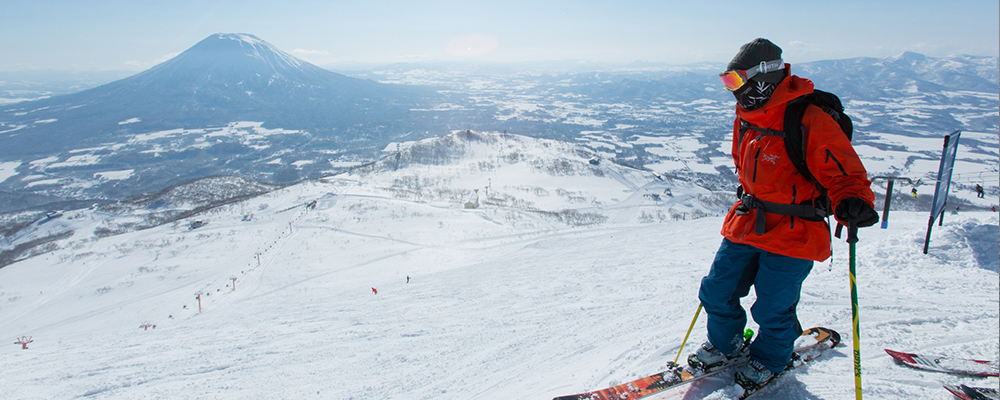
(733, 80)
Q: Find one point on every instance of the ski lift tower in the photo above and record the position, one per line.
(888, 193)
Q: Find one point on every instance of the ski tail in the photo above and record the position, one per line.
(812, 344)
(823, 335)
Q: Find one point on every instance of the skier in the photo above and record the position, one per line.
(764, 246)
(979, 191)
(374, 291)
(913, 193)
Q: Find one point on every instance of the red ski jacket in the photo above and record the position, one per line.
(766, 173)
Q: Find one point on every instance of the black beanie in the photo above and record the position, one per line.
(751, 55)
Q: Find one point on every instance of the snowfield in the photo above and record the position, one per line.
(571, 275)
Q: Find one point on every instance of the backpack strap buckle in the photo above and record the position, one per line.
(806, 211)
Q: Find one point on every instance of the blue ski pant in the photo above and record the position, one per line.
(777, 281)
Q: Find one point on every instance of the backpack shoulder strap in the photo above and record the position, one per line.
(832, 105)
(793, 134)
(796, 109)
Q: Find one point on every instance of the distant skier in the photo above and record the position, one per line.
(407, 279)
(769, 241)
(979, 191)
(914, 193)
(374, 291)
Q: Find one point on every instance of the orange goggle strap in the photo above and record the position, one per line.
(735, 79)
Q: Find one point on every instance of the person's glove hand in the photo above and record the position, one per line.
(853, 209)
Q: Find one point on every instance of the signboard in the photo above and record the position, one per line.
(943, 181)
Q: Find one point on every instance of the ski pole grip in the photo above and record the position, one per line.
(852, 232)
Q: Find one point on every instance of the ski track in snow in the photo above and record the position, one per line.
(502, 304)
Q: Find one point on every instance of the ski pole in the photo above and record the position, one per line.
(681, 350)
(852, 239)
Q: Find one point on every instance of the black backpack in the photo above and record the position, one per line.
(796, 108)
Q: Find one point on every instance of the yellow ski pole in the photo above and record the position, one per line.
(852, 239)
(696, 314)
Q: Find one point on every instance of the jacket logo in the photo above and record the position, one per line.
(771, 158)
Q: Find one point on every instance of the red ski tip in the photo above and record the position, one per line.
(907, 357)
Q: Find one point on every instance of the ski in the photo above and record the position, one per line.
(678, 375)
(973, 393)
(949, 365)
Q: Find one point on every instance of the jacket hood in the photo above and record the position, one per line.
(789, 88)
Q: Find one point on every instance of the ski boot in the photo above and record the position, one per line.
(708, 358)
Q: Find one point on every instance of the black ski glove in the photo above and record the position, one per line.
(853, 209)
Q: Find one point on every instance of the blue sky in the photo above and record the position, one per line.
(135, 35)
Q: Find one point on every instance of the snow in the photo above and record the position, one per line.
(42, 163)
(76, 161)
(344, 164)
(19, 127)
(261, 49)
(8, 169)
(504, 301)
(114, 175)
(44, 182)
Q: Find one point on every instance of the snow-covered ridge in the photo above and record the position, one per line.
(541, 177)
(259, 48)
(532, 174)
(224, 54)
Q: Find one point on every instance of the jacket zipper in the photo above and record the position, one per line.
(794, 201)
(755, 157)
(830, 156)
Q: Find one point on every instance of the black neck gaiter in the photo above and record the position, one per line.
(754, 94)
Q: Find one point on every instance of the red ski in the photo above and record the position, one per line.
(677, 375)
(973, 393)
(951, 365)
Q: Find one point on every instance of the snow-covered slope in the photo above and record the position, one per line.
(568, 276)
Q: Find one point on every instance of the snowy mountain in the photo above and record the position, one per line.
(133, 124)
(222, 79)
(573, 273)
